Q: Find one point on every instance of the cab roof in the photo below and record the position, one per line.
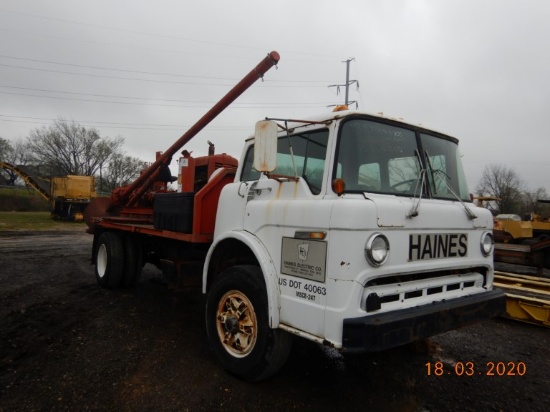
(330, 116)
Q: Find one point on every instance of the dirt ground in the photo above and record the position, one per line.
(67, 344)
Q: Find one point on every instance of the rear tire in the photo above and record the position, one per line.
(109, 260)
(133, 261)
(238, 328)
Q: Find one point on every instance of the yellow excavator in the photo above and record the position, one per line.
(68, 196)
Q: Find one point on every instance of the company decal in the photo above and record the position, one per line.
(304, 258)
(437, 246)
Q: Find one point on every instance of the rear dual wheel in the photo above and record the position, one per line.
(133, 261)
(118, 260)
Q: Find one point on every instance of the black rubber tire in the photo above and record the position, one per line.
(271, 347)
(133, 261)
(109, 260)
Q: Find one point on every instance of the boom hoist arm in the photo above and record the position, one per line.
(128, 196)
(27, 177)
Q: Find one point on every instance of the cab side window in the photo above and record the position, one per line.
(302, 154)
(249, 173)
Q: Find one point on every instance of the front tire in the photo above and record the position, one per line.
(109, 260)
(238, 328)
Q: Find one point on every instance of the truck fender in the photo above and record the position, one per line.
(266, 264)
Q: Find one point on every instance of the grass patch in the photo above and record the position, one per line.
(35, 221)
(22, 200)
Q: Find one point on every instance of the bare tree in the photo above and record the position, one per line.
(120, 171)
(503, 183)
(20, 153)
(5, 148)
(5, 152)
(66, 148)
(13, 153)
(531, 202)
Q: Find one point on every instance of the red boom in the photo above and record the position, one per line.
(129, 195)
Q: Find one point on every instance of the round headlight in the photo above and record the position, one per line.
(377, 249)
(487, 243)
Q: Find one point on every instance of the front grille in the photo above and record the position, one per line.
(408, 277)
(424, 290)
(434, 291)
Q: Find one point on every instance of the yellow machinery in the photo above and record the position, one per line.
(511, 228)
(527, 297)
(523, 242)
(68, 195)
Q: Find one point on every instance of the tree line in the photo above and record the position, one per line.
(67, 148)
(510, 193)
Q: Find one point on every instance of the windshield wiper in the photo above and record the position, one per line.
(421, 178)
(470, 214)
(434, 189)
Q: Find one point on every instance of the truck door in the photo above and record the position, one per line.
(286, 211)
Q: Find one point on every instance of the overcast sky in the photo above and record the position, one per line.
(147, 70)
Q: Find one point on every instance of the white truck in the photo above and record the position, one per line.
(352, 230)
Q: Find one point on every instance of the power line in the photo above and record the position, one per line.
(118, 29)
(111, 44)
(142, 79)
(112, 68)
(133, 98)
(190, 104)
(145, 72)
(114, 125)
(97, 95)
(165, 36)
(108, 77)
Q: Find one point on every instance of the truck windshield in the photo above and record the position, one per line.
(383, 158)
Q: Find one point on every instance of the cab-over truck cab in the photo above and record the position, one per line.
(352, 230)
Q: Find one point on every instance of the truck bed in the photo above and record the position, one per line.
(144, 226)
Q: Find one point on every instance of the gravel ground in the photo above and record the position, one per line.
(67, 344)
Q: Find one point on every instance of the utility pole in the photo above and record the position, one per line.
(347, 84)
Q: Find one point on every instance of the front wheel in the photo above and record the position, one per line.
(238, 328)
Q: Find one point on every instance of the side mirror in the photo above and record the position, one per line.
(265, 146)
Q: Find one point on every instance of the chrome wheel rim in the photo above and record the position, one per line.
(236, 324)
